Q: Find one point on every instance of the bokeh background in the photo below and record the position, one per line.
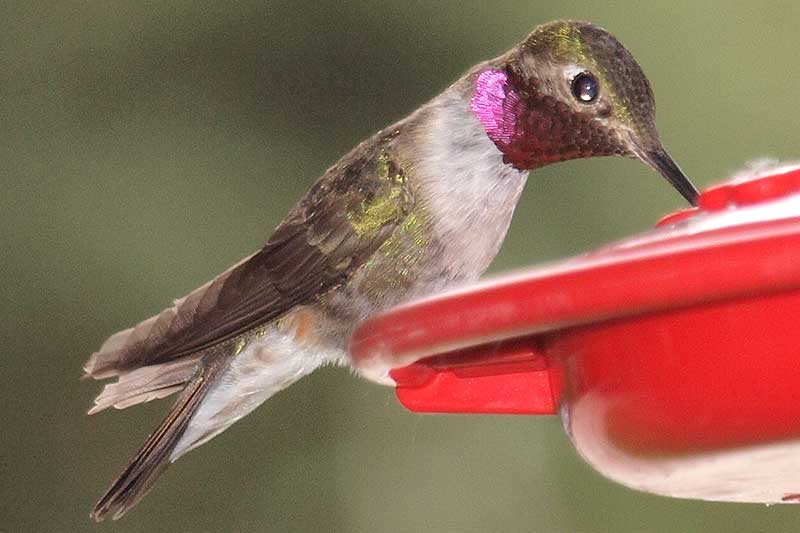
(145, 146)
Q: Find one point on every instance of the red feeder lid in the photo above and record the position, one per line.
(674, 344)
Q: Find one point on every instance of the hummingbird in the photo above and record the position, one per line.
(419, 207)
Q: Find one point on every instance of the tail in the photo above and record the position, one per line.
(146, 383)
(218, 386)
(153, 458)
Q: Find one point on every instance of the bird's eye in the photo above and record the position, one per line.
(585, 87)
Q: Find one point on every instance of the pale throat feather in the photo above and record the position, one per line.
(466, 185)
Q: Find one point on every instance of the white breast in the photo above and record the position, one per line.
(466, 185)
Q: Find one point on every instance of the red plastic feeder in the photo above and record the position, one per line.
(673, 357)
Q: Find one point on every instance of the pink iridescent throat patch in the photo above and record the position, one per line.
(495, 105)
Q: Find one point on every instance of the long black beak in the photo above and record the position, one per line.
(660, 160)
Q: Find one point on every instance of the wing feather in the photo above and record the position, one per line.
(319, 246)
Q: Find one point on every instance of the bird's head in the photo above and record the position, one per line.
(571, 90)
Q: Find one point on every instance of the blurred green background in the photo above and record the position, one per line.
(146, 146)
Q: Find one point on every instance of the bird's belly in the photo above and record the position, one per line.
(265, 362)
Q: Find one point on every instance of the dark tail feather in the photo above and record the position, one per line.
(153, 458)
